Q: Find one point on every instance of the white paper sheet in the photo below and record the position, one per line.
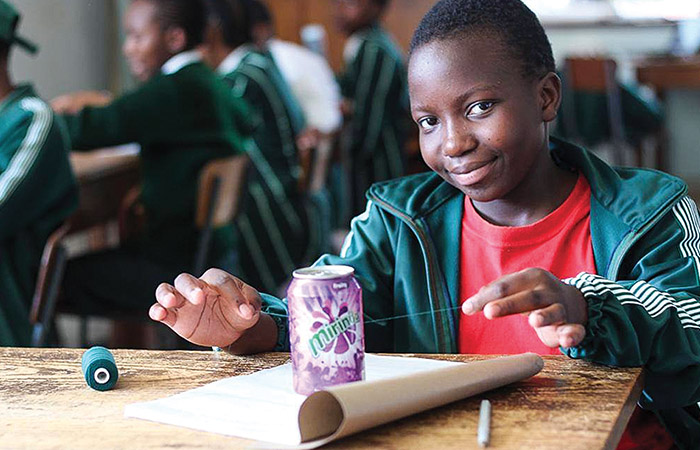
(261, 406)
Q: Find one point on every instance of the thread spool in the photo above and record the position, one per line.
(99, 368)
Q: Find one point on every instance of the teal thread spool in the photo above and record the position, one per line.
(99, 368)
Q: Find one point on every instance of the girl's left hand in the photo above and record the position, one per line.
(557, 311)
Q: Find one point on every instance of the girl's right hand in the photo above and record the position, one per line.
(214, 310)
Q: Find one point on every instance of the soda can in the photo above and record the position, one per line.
(326, 331)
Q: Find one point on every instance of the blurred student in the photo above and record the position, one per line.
(183, 117)
(276, 231)
(37, 188)
(376, 97)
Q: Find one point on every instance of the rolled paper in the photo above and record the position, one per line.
(99, 368)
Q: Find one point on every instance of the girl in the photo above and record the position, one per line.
(183, 117)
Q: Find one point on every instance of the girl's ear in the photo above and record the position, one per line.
(175, 40)
(549, 89)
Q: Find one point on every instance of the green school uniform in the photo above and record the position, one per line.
(182, 120)
(37, 193)
(375, 82)
(276, 231)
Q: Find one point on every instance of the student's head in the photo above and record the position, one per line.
(228, 27)
(483, 90)
(354, 15)
(9, 21)
(156, 30)
(262, 27)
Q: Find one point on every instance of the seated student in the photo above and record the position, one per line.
(557, 250)
(374, 87)
(276, 231)
(183, 117)
(37, 187)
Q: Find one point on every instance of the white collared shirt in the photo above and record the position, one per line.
(352, 47)
(231, 62)
(180, 60)
(312, 82)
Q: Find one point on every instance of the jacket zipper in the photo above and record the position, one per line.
(432, 267)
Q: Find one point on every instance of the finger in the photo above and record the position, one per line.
(191, 288)
(520, 302)
(168, 297)
(551, 315)
(246, 300)
(501, 288)
(571, 335)
(160, 314)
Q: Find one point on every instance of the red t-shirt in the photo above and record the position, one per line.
(559, 243)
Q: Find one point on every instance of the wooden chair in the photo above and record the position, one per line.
(597, 75)
(221, 184)
(48, 284)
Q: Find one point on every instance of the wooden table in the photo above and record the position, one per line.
(670, 73)
(45, 403)
(665, 75)
(104, 177)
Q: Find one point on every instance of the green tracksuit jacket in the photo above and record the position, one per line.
(644, 307)
(375, 81)
(37, 193)
(182, 120)
(276, 228)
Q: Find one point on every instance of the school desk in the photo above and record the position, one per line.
(45, 403)
(104, 177)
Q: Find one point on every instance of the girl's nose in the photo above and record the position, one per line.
(458, 140)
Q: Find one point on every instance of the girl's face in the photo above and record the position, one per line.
(482, 124)
(146, 45)
(353, 15)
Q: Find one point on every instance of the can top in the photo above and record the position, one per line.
(323, 272)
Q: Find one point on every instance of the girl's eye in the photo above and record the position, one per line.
(480, 108)
(427, 123)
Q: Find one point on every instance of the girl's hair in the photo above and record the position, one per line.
(510, 20)
(4, 50)
(233, 16)
(186, 14)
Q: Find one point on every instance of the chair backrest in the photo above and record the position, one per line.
(597, 75)
(47, 285)
(590, 74)
(230, 173)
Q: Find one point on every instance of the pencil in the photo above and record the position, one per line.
(483, 434)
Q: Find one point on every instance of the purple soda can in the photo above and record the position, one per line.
(326, 331)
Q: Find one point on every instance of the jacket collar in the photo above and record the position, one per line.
(20, 91)
(179, 61)
(234, 59)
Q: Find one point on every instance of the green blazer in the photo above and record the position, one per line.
(182, 120)
(37, 193)
(277, 231)
(376, 82)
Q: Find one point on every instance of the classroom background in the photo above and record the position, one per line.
(631, 70)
